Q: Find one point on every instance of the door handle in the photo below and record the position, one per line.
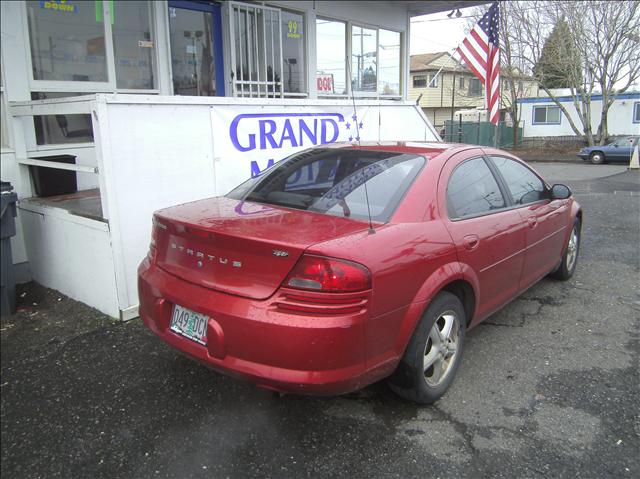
(471, 242)
(532, 221)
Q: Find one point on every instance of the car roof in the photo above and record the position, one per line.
(431, 148)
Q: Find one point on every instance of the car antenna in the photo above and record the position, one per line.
(355, 120)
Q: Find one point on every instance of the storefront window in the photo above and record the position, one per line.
(60, 129)
(192, 48)
(133, 45)
(67, 41)
(258, 49)
(331, 47)
(364, 43)
(389, 63)
(293, 52)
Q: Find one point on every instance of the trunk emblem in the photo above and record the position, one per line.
(210, 257)
(280, 254)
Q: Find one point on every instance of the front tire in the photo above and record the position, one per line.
(597, 158)
(570, 257)
(433, 355)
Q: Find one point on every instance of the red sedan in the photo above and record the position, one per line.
(343, 265)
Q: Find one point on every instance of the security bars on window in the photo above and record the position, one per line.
(256, 51)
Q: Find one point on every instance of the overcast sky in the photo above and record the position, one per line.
(437, 33)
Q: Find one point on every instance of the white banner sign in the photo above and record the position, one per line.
(249, 139)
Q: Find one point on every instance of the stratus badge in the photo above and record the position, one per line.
(280, 254)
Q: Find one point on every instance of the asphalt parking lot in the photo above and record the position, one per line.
(548, 387)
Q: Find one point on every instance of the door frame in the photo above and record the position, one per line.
(218, 51)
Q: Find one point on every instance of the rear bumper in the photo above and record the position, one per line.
(254, 340)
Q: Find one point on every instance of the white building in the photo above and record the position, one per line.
(176, 81)
(542, 118)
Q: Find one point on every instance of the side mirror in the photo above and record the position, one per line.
(560, 192)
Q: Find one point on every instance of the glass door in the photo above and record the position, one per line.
(196, 49)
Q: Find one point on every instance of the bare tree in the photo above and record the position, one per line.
(605, 44)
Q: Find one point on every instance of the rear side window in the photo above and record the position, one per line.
(523, 184)
(473, 190)
(331, 181)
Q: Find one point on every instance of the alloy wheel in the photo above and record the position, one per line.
(441, 350)
(572, 249)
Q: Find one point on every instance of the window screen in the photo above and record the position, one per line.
(553, 114)
(472, 190)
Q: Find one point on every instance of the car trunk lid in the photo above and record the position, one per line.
(239, 247)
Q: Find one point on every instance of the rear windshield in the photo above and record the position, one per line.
(332, 181)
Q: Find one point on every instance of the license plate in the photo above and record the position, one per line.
(189, 324)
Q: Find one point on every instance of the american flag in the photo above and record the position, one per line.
(480, 50)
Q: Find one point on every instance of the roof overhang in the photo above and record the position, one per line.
(417, 8)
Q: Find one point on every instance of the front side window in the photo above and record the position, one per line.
(331, 58)
(332, 181)
(546, 115)
(636, 112)
(364, 50)
(473, 190)
(523, 184)
(67, 41)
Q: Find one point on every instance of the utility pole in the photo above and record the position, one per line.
(361, 57)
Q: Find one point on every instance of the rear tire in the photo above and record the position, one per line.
(597, 158)
(432, 357)
(570, 256)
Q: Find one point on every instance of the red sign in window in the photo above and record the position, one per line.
(325, 83)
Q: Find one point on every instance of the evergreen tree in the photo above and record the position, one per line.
(559, 63)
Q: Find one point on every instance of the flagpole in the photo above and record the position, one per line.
(438, 72)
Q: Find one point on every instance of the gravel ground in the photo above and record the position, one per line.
(548, 387)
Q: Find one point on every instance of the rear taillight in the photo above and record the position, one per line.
(155, 234)
(317, 273)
